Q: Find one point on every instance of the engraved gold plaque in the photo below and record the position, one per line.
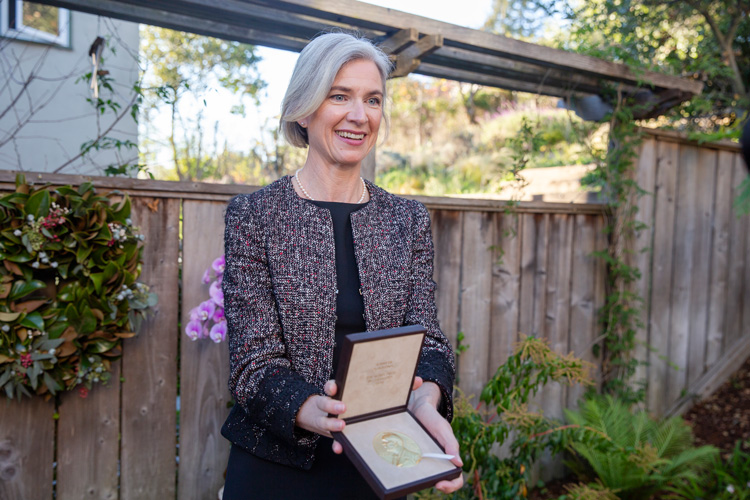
(397, 448)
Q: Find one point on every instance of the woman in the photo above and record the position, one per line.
(313, 257)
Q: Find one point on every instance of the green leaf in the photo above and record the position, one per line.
(102, 345)
(5, 377)
(51, 383)
(33, 320)
(88, 322)
(38, 203)
(23, 288)
(83, 251)
(98, 279)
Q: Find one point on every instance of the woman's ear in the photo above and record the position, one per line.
(302, 123)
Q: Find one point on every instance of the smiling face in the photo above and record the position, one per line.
(345, 127)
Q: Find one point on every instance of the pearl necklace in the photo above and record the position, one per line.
(299, 183)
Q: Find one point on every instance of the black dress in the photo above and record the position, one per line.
(332, 477)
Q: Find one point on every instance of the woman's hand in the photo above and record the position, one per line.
(313, 414)
(423, 403)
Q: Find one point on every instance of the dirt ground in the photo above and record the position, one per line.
(720, 420)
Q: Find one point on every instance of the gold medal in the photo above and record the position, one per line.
(397, 449)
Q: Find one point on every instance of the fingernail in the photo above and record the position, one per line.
(339, 408)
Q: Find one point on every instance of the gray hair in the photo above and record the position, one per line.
(316, 69)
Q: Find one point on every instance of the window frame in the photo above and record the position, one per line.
(29, 34)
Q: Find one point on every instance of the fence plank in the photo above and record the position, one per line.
(528, 268)
(506, 265)
(539, 324)
(149, 367)
(736, 297)
(557, 314)
(476, 286)
(661, 274)
(88, 441)
(27, 435)
(719, 258)
(641, 258)
(702, 207)
(583, 331)
(447, 237)
(204, 365)
(557, 318)
(682, 278)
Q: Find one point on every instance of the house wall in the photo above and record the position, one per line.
(44, 123)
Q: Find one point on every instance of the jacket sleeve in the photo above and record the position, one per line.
(437, 363)
(261, 379)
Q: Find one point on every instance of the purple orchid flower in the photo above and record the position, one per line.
(193, 329)
(206, 310)
(206, 277)
(219, 332)
(217, 295)
(218, 265)
(218, 314)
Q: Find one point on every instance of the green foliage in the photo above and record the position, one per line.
(702, 39)
(68, 289)
(730, 479)
(183, 68)
(633, 455)
(449, 138)
(503, 415)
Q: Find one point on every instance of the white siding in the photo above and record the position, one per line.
(63, 119)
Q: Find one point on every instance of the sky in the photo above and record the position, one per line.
(276, 69)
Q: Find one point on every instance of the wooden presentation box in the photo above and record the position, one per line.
(382, 437)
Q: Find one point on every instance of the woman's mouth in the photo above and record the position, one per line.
(357, 136)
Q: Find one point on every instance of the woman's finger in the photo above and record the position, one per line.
(337, 448)
(332, 406)
(417, 383)
(330, 388)
(450, 486)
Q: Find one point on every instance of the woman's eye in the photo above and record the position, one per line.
(373, 101)
(338, 98)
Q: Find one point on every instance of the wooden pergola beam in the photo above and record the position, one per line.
(420, 45)
(410, 59)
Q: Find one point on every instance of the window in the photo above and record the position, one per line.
(35, 22)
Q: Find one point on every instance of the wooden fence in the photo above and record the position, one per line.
(498, 272)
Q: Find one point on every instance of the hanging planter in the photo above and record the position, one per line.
(68, 289)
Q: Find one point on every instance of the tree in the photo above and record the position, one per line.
(182, 64)
(704, 39)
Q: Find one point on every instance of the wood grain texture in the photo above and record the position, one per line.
(702, 205)
(641, 257)
(447, 238)
(682, 275)
(88, 442)
(27, 435)
(738, 262)
(583, 308)
(149, 368)
(476, 286)
(723, 214)
(204, 365)
(506, 266)
(665, 199)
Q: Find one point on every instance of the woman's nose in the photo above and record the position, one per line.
(357, 113)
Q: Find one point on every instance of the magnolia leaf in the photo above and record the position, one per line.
(102, 346)
(28, 306)
(38, 203)
(22, 334)
(83, 251)
(33, 321)
(4, 359)
(23, 288)
(47, 344)
(12, 267)
(9, 317)
(97, 279)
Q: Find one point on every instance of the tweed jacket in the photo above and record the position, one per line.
(280, 304)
